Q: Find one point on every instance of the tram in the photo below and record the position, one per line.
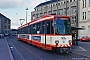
(49, 32)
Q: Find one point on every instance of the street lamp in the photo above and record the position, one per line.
(26, 14)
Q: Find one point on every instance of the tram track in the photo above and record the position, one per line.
(61, 56)
(86, 56)
(35, 54)
(14, 49)
(25, 49)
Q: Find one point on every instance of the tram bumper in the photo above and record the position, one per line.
(64, 50)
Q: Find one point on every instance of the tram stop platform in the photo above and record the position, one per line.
(5, 53)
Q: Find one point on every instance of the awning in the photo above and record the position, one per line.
(77, 28)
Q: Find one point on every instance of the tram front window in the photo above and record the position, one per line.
(62, 26)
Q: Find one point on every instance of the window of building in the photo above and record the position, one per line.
(33, 16)
(83, 15)
(65, 10)
(61, 2)
(70, 0)
(55, 11)
(73, 19)
(67, 1)
(45, 13)
(64, 2)
(41, 14)
(37, 15)
(73, 9)
(89, 29)
(83, 3)
(53, 5)
(89, 2)
(61, 11)
(58, 3)
(68, 10)
(88, 14)
(35, 9)
(49, 12)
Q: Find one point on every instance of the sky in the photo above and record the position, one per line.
(16, 10)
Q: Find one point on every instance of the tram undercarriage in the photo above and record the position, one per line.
(62, 50)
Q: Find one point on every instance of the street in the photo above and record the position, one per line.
(24, 51)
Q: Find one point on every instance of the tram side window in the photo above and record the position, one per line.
(39, 27)
(43, 26)
(23, 30)
(52, 30)
(34, 31)
(49, 27)
(29, 29)
(18, 31)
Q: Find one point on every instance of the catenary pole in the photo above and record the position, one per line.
(76, 22)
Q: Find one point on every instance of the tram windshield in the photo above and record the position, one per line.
(62, 26)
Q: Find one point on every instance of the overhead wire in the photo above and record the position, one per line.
(19, 8)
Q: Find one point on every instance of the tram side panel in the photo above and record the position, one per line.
(52, 40)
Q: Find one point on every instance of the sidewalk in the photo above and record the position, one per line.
(5, 53)
(82, 48)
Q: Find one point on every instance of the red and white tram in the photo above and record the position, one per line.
(50, 32)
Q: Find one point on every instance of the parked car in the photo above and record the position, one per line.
(85, 38)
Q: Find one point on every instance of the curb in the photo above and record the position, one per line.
(11, 56)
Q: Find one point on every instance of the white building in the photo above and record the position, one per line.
(59, 7)
(84, 17)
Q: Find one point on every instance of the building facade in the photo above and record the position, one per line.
(5, 25)
(85, 18)
(13, 32)
(59, 7)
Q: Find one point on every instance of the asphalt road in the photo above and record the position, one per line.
(24, 51)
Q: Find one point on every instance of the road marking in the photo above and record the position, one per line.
(85, 42)
(81, 54)
(10, 53)
(82, 48)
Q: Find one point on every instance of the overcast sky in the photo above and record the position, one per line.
(16, 9)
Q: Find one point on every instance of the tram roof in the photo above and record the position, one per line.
(42, 18)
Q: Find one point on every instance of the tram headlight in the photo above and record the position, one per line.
(70, 41)
(56, 41)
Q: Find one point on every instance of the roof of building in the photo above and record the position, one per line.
(47, 2)
(1, 15)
